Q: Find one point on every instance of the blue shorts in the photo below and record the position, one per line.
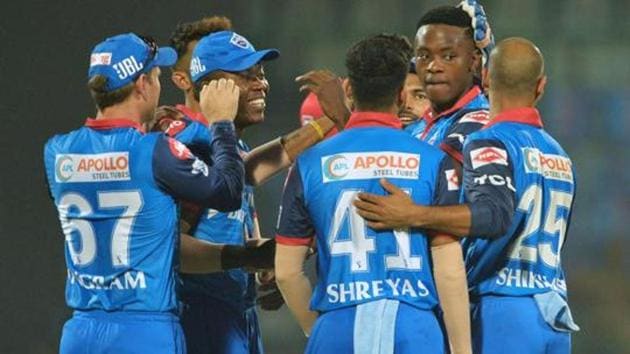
(503, 324)
(97, 332)
(377, 327)
(213, 327)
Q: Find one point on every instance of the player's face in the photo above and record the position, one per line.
(416, 101)
(445, 61)
(253, 90)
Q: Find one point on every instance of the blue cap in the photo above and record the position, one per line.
(226, 51)
(122, 58)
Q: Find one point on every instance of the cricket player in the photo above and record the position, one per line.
(114, 185)
(519, 187)
(416, 101)
(376, 292)
(219, 314)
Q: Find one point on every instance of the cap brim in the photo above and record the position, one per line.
(166, 56)
(250, 60)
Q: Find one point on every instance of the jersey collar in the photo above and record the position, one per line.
(373, 119)
(196, 116)
(525, 115)
(112, 123)
(430, 116)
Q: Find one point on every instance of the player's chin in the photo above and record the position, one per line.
(256, 116)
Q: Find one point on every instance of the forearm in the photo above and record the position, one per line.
(294, 285)
(453, 219)
(198, 257)
(450, 280)
(269, 159)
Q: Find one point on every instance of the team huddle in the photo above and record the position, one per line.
(422, 181)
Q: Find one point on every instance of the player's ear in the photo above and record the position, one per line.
(485, 79)
(181, 80)
(540, 87)
(141, 85)
(347, 88)
(476, 65)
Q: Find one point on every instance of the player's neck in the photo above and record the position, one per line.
(122, 110)
(501, 103)
(392, 109)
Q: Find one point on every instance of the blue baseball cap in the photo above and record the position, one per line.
(122, 58)
(226, 51)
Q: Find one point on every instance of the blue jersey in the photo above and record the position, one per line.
(449, 129)
(357, 264)
(520, 185)
(235, 287)
(113, 186)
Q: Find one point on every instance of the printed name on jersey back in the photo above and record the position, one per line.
(370, 165)
(548, 165)
(488, 155)
(108, 167)
(480, 117)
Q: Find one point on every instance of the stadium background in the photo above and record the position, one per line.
(43, 64)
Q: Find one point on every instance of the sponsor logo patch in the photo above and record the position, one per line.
(240, 41)
(175, 127)
(196, 67)
(179, 150)
(488, 155)
(100, 59)
(370, 165)
(452, 180)
(113, 166)
(480, 117)
(548, 165)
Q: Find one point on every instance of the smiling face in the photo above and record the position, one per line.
(253, 91)
(446, 59)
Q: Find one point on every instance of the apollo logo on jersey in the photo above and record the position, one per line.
(549, 165)
(106, 167)
(370, 165)
(488, 155)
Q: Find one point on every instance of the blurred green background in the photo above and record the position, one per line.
(43, 65)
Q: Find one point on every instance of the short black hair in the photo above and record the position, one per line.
(187, 32)
(447, 15)
(377, 67)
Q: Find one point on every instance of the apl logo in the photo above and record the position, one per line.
(532, 160)
(64, 168)
(336, 167)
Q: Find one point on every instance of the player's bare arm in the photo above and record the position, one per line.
(294, 285)
(269, 159)
(450, 281)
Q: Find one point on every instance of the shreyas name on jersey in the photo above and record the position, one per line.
(348, 292)
(124, 281)
(370, 165)
(550, 166)
(106, 167)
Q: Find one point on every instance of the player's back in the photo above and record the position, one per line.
(120, 228)
(526, 260)
(357, 264)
